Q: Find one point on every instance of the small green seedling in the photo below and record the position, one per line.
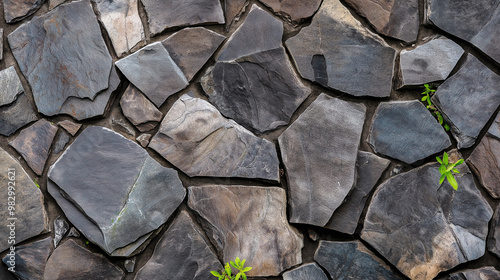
(446, 170)
(226, 272)
(36, 184)
(428, 92)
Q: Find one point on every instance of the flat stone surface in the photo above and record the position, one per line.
(129, 265)
(49, 49)
(167, 14)
(494, 235)
(260, 92)
(139, 196)
(430, 62)
(309, 271)
(406, 130)
(483, 273)
(55, 3)
(152, 70)
(191, 48)
(61, 140)
(468, 100)
(233, 9)
(30, 259)
(485, 162)
(29, 209)
(324, 54)
(423, 228)
(10, 85)
(16, 10)
(251, 224)
(197, 139)
(351, 260)
(181, 253)
(139, 110)
(60, 229)
(72, 261)
(143, 139)
(369, 168)
(319, 151)
(494, 129)
(16, 115)
(293, 11)
(122, 22)
(70, 126)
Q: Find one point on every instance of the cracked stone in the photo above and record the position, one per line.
(30, 259)
(309, 271)
(10, 85)
(60, 229)
(293, 11)
(16, 10)
(139, 110)
(233, 10)
(55, 3)
(70, 126)
(16, 115)
(62, 139)
(494, 235)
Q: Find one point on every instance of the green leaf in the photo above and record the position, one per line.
(237, 276)
(233, 264)
(460, 161)
(439, 160)
(243, 263)
(228, 270)
(442, 169)
(244, 277)
(455, 170)
(442, 179)
(440, 118)
(246, 269)
(447, 127)
(215, 273)
(424, 98)
(445, 158)
(452, 180)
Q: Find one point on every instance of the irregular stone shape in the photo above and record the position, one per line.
(197, 139)
(1, 43)
(33, 143)
(129, 265)
(72, 261)
(16, 10)
(181, 253)
(30, 259)
(406, 130)
(430, 62)
(319, 152)
(369, 168)
(55, 3)
(494, 129)
(62, 140)
(264, 239)
(309, 271)
(73, 232)
(10, 85)
(266, 33)
(422, 227)
(323, 53)
(49, 48)
(494, 235)
(139, 195)
(293, 11)
(70, 126)
(29, 209)
(143, 139)
(351, 260)
(122, 126)
(167, 14)
(485, 162)
(152, 70)
(191, 48)
(60, 228)
(233, 9)
(139, 110)
(483, 273)
(468, 100)
(16, 115)
(122, 22)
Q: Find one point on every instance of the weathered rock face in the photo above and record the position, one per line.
(139, 110)
(139, 195)
(181, 253)
(72, 261)
(29, 209)
(485, 162)
(61, 140)
(430, 62)
(10, 86)
(468, 99)
(143, 139)
(30, 259)
(351, 260)
(319, 152)
(1, 43)
(324, 54)
(305, 272)
(16, 115)
(60, 229)
(293, 11)
(167, 14)
(197, 139)
(233, 9)
(16, 10)
(494, 235)
(484, 273)
(55, 3)
(423, 228)
(249, 223)
(369, 168)
(49, 49)
(406, 130)
(70, 126)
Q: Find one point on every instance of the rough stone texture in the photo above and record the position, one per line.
(70, 126)
(181, 253)
(152, 70)
(483, 273)
(167, 14)
(73, 232)
(61, 140)
(485, 162)
(49, 49)
(29, 209)
(233, 9)
(494, 129)
(55, 3)
(6, 275)
(30, 259)
(139, 195)
(191, 48)
(1, 43)
(369, 168)
(423, 228)
(139, 110)
(129, 265)
(197, 139)
(468, 100)
(406, 130)
(72, 261)
(33, 143)
(143, 139)
(351, 260)
(60, 229)
(122, 22)
(336, 50)
(10, 85)
(430, 62)
(319, 152)
(293, 11)
(309, 271)
(240, 220)
(16, 115)
(494, 235)
(16, 10)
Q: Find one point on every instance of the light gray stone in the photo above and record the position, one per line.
(309, 271)
(139, 110)
(16, 10)
(30, 259)
(16, 115)
(60, 229)
(10, 85)
(129, 264)
(293, 11)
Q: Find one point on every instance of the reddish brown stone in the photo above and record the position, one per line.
(485, 162)
(70, 126)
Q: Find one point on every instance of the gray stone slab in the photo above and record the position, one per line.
(55, 3)
(319, 151)
(16, 115)
(61, 140)
(483, 273)
(293, 11)
(309, 271)
(494, 130)
(10, 85)
(16, 10)
(494, 234)
(30, 259)
(139, 110)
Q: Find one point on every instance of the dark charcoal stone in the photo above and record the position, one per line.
(197, 139)
(347, 52)
(468, 100)
(351, 260)
(16, 115)
(10, 85)
(309, 271)
(61, 140)
(233, 9)
(406, 130)
(483, 273)
(494, 235)
(30, 259)
(181, 253)
(293, 11)
(423, 228)
(60, 229)
(129, 265)
(49, 49)
(139, 110)
(485, 162)
(70, 126)
(6, 274)
(319, 151)
(257, 231)
(16, 10)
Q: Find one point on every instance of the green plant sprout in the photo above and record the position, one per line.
(36, 184)
(428, 93)
(446, 170)
(226, 272)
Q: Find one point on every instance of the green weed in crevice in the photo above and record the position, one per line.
(226, 272)
(447, 169)
(428, 93)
